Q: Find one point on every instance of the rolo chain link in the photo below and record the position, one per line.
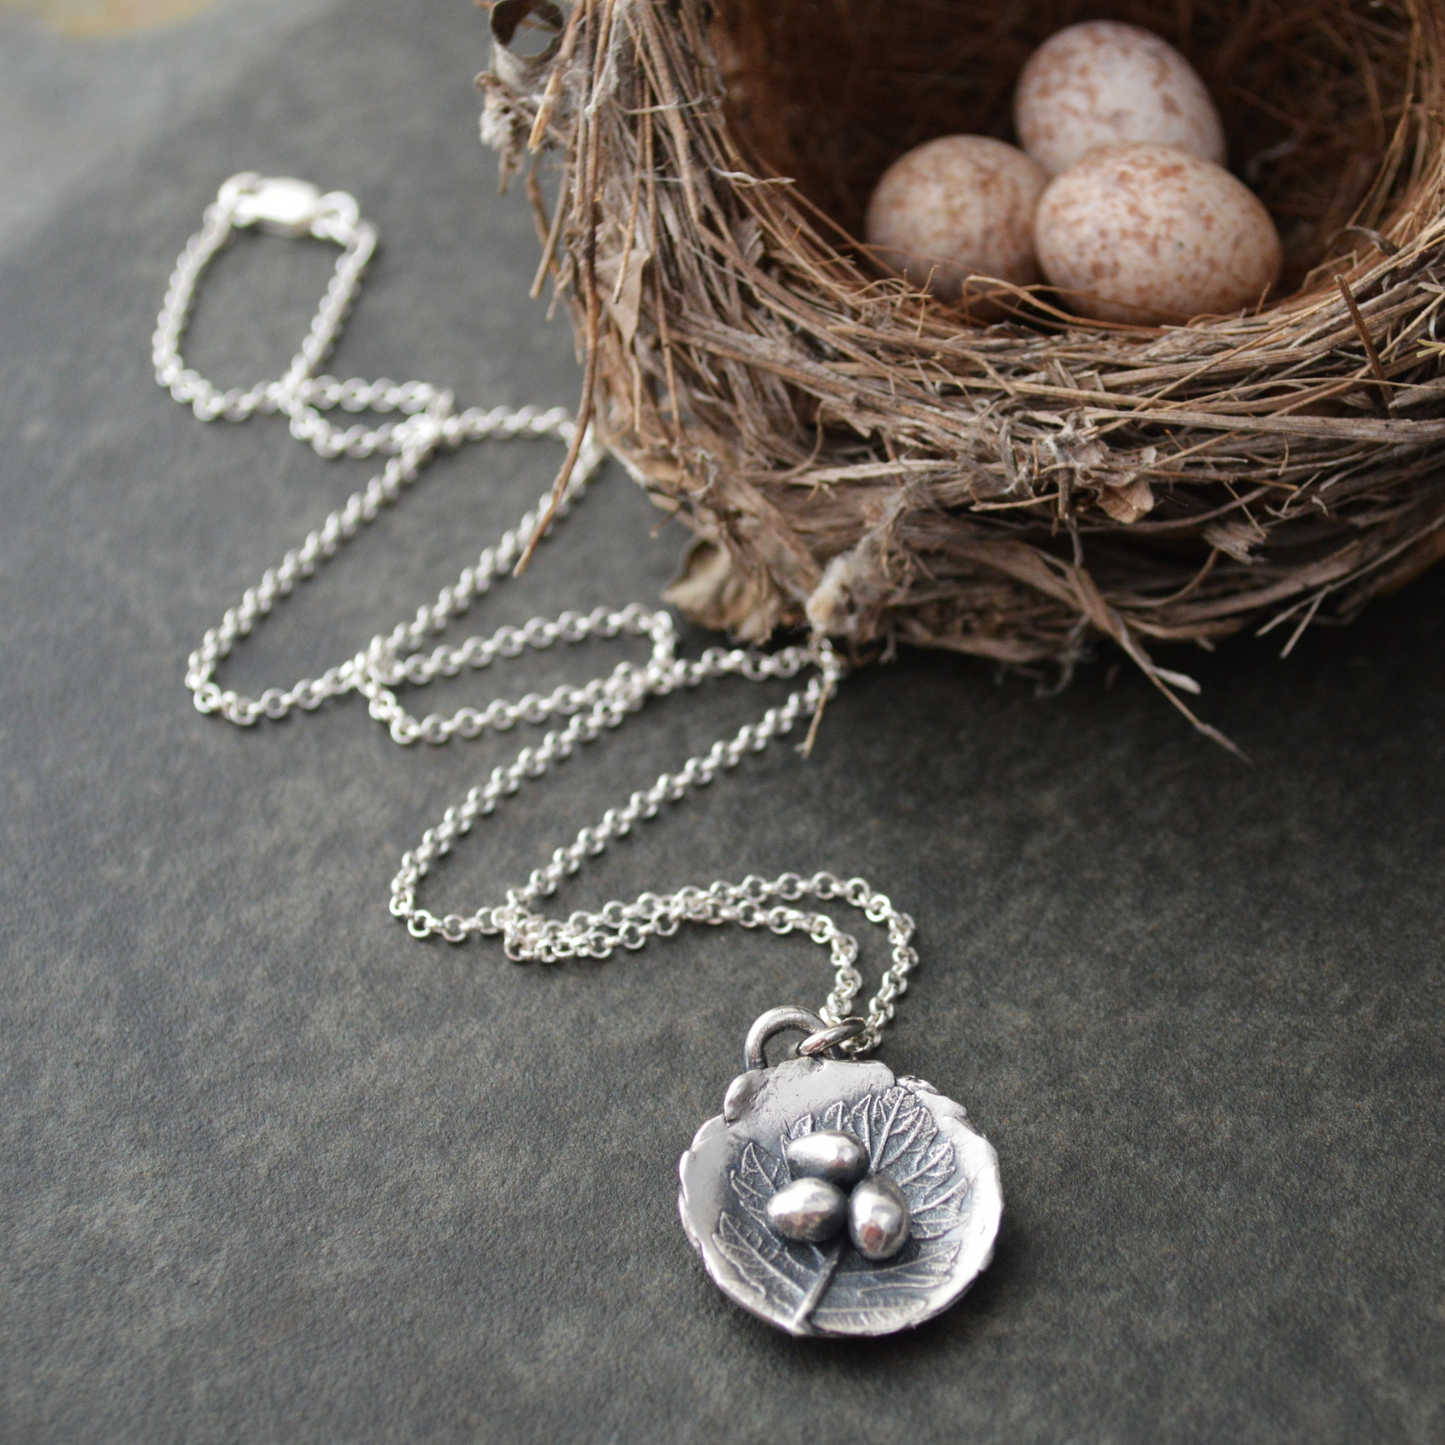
(429, 424)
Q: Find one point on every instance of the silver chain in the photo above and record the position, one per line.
(429, 425)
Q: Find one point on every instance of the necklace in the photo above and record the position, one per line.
(829, 1197)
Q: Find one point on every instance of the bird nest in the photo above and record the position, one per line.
(856, 457)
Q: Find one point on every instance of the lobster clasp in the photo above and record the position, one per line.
(285, 206)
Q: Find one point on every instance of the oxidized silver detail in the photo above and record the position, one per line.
(920, 1141)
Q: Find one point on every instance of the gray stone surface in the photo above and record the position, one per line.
(269, 1170)
(85, 85)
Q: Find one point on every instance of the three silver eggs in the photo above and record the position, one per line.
(831, 1188)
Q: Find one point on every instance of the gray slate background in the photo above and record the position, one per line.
(273, 1172)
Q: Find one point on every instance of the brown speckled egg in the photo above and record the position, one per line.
(1151, 234)
(1103, 83)
(959, 206)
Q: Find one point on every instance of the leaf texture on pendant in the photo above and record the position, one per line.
(915, 1137)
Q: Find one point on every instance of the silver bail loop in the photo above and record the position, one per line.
(777, 1021)
(822, 1037)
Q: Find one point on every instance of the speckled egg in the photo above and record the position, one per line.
(1103, 83)
(1150, 234)
(955, 207)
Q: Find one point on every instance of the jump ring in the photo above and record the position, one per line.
(825, 1039)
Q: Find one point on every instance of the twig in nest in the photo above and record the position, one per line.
(574, 447)
(1366, 338)
(805, 748)
(1383, 244)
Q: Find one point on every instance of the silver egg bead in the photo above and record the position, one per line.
(878, 1218)
(808, 1210)
(831, 1154)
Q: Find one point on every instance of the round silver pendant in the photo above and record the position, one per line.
(894, 1243)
